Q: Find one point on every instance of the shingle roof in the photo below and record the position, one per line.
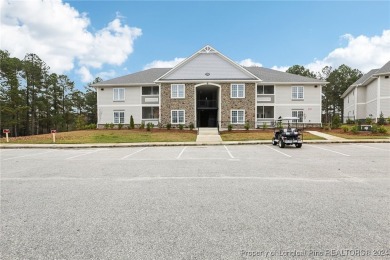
(385, 69)
(270, 75)
(141, 77)
(150, 75)
(365, 77)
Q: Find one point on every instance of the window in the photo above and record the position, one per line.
(150, 112)
(269, 89)
(177, 91)
(298, 113)
(119, 94)
(265, 112)
(119, 117)
(238, 116)
(297, 92)
(177, 116)
(237, 91)
(150, 91)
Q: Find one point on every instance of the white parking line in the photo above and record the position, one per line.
(124, 157)
(182, 151)
(72, 157)
(327, 150)
(17, 157)
(386, 150)
(230, 154)
(277, 151)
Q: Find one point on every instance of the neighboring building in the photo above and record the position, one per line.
(369, 96)
(208, 89)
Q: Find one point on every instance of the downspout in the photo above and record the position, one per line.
(378, 100)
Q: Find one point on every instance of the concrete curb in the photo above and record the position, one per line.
(119, 145)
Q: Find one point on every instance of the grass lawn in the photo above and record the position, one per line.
(359, 135)
(108, 136)
(258, 135)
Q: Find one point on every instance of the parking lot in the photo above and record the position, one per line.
(195, 202)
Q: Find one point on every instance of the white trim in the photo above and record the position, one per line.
(118, 100)
(150, 94)
(119, 118)
(238, 85)
(378, 97)
(219, 101)
(122, 105)
(291, 105)
(184, 117)
(231, 116)
(177, 86)
(297, 91)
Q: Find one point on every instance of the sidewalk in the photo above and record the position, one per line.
(326, 136)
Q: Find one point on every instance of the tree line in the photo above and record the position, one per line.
(339, 79)
(34, 101)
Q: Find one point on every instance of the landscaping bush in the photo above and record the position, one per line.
(327, 127)
(142, 126)
(336, 122)
(264, 125)
(355, 129)
(350, 121)
(345, 128)
(120, 126)
(230, 127)
(111, 125)
(374, 129)
(149, 126)
(169, 125)
(382, 129)
(90, 126)
(131, 126)
(246, 126)
(181, 127)
(368, 120)
(191, 126)
(106, 125)
(381, 119)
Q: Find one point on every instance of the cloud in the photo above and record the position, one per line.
(360, 52)
(59, 34)
(280, 68)
(105, 75)
(85, 74)
(163, 64)
(249, 63)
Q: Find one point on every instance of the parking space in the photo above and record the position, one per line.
(193, 202)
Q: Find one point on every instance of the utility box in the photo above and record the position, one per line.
(365, 127)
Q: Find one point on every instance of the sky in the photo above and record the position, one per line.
(88, 39)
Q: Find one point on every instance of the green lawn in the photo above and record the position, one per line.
(258, 135)
(359, 135)
(108, 136)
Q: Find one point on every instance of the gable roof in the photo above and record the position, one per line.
(275, 76)
(145, 77)
(208, 64)
(384, 70)
(363, 80)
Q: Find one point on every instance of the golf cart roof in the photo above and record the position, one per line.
(288, 118)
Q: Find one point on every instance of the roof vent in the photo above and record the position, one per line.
(207, 74)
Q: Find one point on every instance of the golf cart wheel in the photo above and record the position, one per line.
(274, 142)
(298, 145)
(281, 143)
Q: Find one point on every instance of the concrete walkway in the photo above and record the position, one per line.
(326, 136)
(208, 135)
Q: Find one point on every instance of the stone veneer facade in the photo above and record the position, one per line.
(227, 104)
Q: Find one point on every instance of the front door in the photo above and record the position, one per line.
(207, 117)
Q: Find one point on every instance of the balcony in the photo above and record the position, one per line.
(207, 104)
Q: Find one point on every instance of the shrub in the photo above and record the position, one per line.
(230, 127)
(388, 120)
(368, 120)
(381, 120)
(382, 129)
(106, 125)
(345, 128)
(191, 126)
(120, 126)
(350, 121)
(374, 129)
(90, 126)
(336, 122)
(355, 129)
(142, 126)
(131, 126)
(111, 126)
(149, 126)
(181, 127)
(169, 125)
(264, 125)
(327, 127)
(246, 126)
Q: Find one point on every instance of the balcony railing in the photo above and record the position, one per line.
(207, 103)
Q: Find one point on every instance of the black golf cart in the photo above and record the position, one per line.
(287, 135)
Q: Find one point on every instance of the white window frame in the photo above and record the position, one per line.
(298, 111)
(263, 87)
(152, 87)
(177, 112)
(235, 91)
(175, 90)
(296, 91)
(116, 95)
(237, 122)
(151, 107)
(118, 119)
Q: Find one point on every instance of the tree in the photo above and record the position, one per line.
(91, 102)
(300, 70)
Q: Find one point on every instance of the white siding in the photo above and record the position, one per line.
(131, 105)
(371, 99)
(349, 106)
(311, 105)
(212, 63)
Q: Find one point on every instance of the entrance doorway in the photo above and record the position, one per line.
(207, 106)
